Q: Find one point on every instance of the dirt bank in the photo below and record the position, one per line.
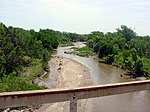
(65, 73)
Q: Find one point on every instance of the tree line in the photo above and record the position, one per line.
(123, 48)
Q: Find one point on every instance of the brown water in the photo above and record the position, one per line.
(104, 74)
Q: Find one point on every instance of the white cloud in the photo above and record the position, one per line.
(81, 16)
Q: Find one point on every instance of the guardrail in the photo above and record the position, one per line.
(24, 98)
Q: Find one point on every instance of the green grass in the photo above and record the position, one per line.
(84, 51)
(23, 81)
(17, 83)
(34, 70)
(67, 44)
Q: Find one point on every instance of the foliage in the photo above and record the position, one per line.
(146, 66)
(17, 83)
(122, 48)
(84, 51)
(27, 52)
(34, 70)
(126, 32)
(10, 52)
(65, 44)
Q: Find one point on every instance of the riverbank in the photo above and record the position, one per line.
(65, 73)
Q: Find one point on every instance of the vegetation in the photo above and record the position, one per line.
(24, 54)
(17, 83)
(123, 49)
(84, 51)
(67, 44)
(34, 70)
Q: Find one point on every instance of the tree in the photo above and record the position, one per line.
(138, 68)
(126, 32)
(10, 52)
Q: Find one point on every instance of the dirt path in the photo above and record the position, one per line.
(65, 73)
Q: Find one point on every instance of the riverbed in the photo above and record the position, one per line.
(97, 73)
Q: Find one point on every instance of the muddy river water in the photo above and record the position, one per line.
(104, 74)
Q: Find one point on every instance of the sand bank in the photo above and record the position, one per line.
(65, 73)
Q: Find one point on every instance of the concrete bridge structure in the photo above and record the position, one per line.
(36, 97)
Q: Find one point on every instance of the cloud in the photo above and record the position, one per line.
(81, 16)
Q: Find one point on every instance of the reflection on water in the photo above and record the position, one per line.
(103, 74)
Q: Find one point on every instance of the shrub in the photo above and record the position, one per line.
(17, 83)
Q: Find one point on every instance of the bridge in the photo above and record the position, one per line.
(36, 97)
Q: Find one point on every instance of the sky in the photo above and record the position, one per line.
(79, 16)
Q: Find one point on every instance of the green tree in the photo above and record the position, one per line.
(10, 52)
(126, 32)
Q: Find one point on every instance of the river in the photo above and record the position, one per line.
(103, 74)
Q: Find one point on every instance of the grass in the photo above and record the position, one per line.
(84, 51)
(34, 70)
(23, 81)
(67, 44)
(17, 83)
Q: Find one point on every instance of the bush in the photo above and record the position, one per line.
(146, 66)
(35, 69)
(17, 83)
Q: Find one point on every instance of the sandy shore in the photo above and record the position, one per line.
(65, 73)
